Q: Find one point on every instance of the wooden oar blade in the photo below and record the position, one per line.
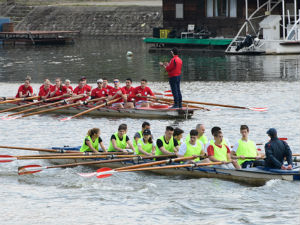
(28, 169)
(6, 158)
(261, 109)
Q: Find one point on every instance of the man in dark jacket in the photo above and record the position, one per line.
(276, 150)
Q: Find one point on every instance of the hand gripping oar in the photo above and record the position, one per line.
(64, 101)
(57, 108)
(91, 109)
(33, 103)
(29, 169)
(19, 99)
(108, 171)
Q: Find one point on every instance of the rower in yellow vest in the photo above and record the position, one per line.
(119, 141)
(245, 148)
(139, 134)
(92, 141)
(178, 133)
(145, 145)
(218, 152)
(192, 147)
(225, 141)
(201, 136)
(166, 144)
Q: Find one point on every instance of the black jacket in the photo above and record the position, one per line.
(276, 150)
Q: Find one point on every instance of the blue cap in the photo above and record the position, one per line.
(272, 132)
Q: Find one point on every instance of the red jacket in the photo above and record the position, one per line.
(174, 66)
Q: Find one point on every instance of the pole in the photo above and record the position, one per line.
(283, 19)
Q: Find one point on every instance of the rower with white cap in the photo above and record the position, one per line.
(99, 91)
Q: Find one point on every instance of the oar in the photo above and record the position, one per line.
(221, 105)
(57, 108)
(45, 106)
(33, 103)
(91, 109)
(106, 172)
(29, 169)
(19, 99)
(39, 149)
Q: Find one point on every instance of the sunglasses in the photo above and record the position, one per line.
(116, 81)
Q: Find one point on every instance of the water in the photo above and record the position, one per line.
(60, 196)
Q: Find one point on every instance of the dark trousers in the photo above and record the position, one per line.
(175, 88)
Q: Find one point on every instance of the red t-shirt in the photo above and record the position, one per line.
(44, 92)
(144, 92)
(129, 93)
(60, 91)
(70, 87)
(84, 90)
(211, 152)
(98, 93)
(108, 88)
(174, 66)
(25, 91)
(113, 91)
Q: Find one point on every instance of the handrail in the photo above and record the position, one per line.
(293, 29)
(248, 21)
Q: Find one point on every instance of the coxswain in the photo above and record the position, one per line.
(128, 89)
(45, 90)
(201, 136)
(68, 86)
(119, 141)
(139, 134)
(145, 145)
(166, 144)
(174, 71)
(82, 89)
(218, 152)
(192, 147)
(92, 141)
(99, 91)
(117, 92)
(58, 89)
(245, 148)
(105, 84)
(276, 150)
(178, 133)
(25, 90)
(140, 94)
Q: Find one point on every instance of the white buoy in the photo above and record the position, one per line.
(129, 53)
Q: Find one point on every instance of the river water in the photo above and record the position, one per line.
(60, 196)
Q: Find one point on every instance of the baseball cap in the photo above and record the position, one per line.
(147, 132)
(99, 81)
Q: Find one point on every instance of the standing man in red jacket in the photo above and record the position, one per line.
(174, 71)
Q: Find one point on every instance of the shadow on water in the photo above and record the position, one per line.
(96, 58)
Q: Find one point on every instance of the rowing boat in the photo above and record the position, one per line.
(154, 112)
(256, 176)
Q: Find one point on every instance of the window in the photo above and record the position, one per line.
(221, 8)
(179, 11)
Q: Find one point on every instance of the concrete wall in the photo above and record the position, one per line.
(95, 20)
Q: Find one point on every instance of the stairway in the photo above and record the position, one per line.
(18, 13)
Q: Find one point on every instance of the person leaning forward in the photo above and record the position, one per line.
(166, 144)
(276, 150)
(92, 141)
(119, 141)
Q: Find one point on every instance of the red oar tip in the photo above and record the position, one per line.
(104, 172)
(28, 169)
(262, 109)
(6, 158)
(65, 119)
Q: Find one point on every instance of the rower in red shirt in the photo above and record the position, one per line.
(58, 89)
(68, 86)
(25, 90)
(99, 91)
(129, 93)
(105, 84)
(117, 92)
(45, 90)
(140, 91)
(82, 88)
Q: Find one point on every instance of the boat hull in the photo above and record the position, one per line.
(155, 113)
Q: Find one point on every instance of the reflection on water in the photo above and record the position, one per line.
(96, 58)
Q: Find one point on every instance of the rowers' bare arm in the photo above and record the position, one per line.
(103, 147)
(130, 145)
(164, 151)
(114, 144)
(91, 146)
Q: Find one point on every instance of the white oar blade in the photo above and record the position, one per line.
(65, 119)
(87, 174)
(262, 109)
